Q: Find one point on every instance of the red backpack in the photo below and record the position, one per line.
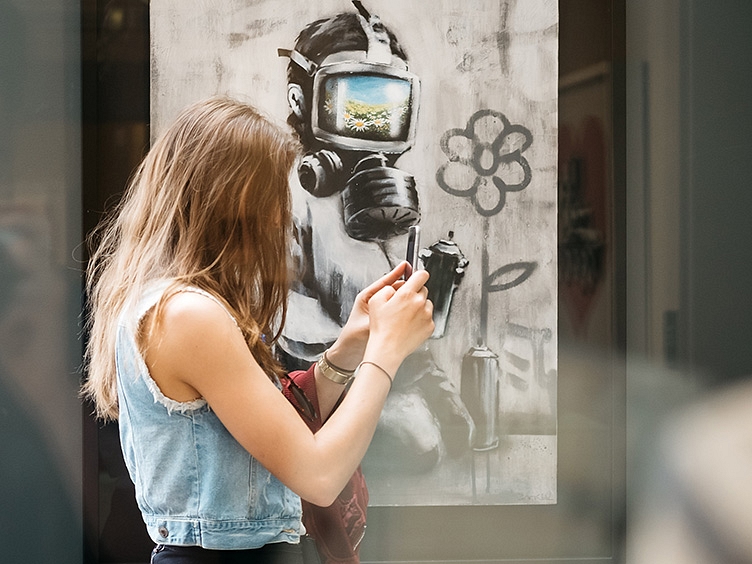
(338, 529)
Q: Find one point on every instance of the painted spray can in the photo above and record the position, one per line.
(446, 264)
(479, 390)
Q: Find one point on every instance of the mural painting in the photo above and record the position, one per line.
(441, 114)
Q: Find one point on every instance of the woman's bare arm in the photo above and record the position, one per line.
(348, 350)
(197, 351)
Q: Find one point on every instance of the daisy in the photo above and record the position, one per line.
(359, 124)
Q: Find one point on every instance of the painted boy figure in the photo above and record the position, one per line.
(354, 106)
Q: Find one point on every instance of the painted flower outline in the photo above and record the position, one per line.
(471, 155)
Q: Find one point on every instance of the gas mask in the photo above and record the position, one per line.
(363, 114)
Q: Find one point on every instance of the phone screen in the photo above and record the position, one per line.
(413, 248)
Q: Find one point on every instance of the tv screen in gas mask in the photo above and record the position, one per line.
(365, 106)
(368, 107)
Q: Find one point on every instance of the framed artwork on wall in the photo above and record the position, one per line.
(447, 116)
(435, 114)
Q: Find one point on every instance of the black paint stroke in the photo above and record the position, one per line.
(538, 339)
(524, 270)
(490, 282)
(500, 153)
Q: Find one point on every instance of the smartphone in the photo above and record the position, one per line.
(413, 248)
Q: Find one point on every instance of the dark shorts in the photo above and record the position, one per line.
(275, 553)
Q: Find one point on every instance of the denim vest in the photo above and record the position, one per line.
(195, 484)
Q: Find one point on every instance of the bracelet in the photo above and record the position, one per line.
(391, 380)
(334, 373)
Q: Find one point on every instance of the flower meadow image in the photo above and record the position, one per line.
(353, 107)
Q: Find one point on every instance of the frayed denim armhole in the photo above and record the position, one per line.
(172, 406)
(128, 329)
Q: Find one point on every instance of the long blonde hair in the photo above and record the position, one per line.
(210, 207)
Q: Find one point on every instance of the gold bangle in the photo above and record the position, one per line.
(391, 380)
(334, 373)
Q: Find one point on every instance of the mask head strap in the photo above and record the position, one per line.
(299, 59)
(379, 50)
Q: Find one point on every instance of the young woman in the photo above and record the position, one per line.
(188, 291)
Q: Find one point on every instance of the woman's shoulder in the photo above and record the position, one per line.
(185, 339)
(192, 323)
(191, 305)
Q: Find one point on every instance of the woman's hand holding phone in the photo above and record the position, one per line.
(401, 319)
(410, 314)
